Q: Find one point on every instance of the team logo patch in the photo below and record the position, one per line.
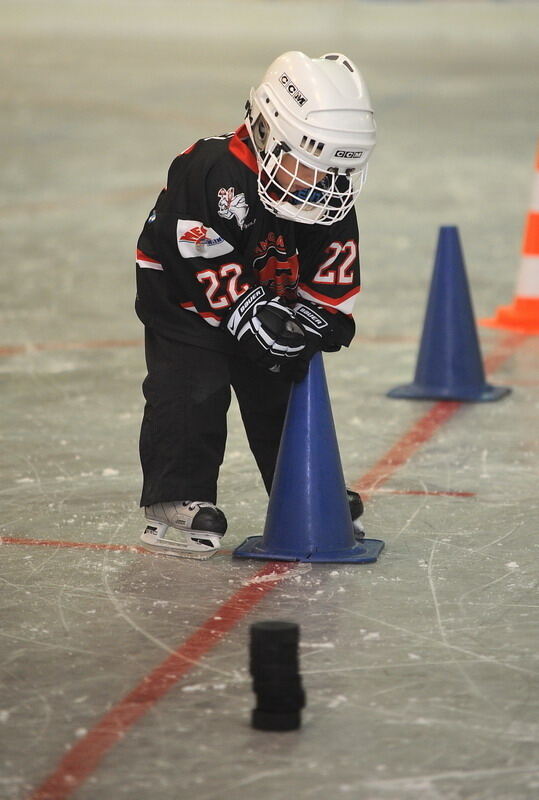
(195, 240)
(277, 269)
(271, 242)
(232, 205)
(292, 89)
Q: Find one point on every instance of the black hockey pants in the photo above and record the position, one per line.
(183, 434)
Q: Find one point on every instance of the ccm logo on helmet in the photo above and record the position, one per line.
(348, 153)
(292, 89)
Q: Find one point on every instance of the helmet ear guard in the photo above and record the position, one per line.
(261, 133)
(318, 111)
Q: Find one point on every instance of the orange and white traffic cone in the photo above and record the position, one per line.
(523, 313)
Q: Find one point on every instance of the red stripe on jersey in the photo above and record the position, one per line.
(239, 149)
(324, 300)
(144, 257)
(207, 315)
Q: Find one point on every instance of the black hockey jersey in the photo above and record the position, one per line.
(209, 239)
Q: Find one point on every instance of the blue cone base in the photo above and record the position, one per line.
(366, 552)
(483, 394)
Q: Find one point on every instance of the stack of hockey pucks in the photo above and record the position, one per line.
(274, 666)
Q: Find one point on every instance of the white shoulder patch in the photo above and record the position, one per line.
(232, 205)
(195, 240)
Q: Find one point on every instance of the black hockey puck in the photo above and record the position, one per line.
(274, 666)
(274, 643)
(272, 633)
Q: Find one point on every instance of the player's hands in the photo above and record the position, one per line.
(296, 368)
(320, 334)
(265, 328)
(320, 326)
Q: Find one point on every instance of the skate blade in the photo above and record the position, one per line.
(188, 548)
(164, 550)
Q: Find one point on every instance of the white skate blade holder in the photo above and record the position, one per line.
(188, 544)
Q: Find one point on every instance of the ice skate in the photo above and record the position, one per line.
(184, 528)
(356, 510)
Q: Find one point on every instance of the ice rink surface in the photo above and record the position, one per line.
(125, 675)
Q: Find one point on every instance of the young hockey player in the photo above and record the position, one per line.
(246, 266)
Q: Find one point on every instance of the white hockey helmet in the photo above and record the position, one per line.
(312, 126)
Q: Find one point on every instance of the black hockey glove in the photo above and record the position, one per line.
(265, 328)
(323, 331)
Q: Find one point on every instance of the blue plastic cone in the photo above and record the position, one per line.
(308, 516)
(449, 364)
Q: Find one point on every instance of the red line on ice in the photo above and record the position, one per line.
(424, 493)
(419, 433)
(128, 548)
